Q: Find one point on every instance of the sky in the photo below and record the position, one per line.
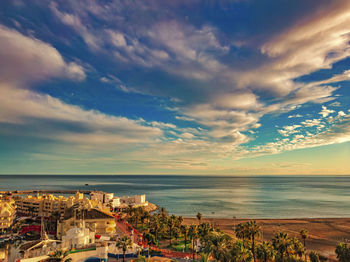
(250, 87)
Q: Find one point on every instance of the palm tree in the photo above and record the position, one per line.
(314, 257)
(150, 238)
(297, 247)
(304, 235)
(281, 243)
(239, 253)
(204, 257)
(343, 252)
(265, 252)
(171, 227)
(241, 231)
(124, 243)
(204, 229)
(163, 212)
(155, 226)
(199, 217)
(145, 216)
(193, 232)
(179, 221)
(253, 231)
(217, 244)
(184, 230)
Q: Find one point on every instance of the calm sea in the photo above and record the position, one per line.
(241, 197)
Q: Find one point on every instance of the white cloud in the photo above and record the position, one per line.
(325, 112)
(75, 22)
(288, 130)
(310, 123)
(295, 116)
(43, 116)
(341, 113)
(336, 104)
(29, 59)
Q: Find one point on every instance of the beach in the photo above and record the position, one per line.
(324, 233)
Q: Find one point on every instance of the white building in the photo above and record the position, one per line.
(78, 237)
(137, 200)
(101, 197)
(108, 199)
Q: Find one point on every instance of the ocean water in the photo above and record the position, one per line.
(213, 196)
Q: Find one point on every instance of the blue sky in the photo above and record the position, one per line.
(175, 87)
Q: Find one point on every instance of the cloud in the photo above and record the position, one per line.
(295, 116)
(325, 112)
(341, 113)
(338, 133)
(194, 65)
(26, 112)
(75, 22)
(228, 94)
(336, 104)
(310, 123)
(288, 130)
(29, 59)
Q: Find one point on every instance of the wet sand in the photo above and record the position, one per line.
(324, 233)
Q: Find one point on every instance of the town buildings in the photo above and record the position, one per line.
(108, 199)
(96, 220)
(48, 205)
(7, 213)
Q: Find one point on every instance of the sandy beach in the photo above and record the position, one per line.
(325, 233)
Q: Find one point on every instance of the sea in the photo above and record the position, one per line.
(213, 196)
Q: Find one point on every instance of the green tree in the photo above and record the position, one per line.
(184, 231)
(343, 252)
(241, 231)
(297, 248)
(253, 231)
(204, 257)
(193, 233)
(124, 243)
(304, 235)
(314, 257)
(217, 245)
(163, 213)
(240, 253)
(282, 244)
(171, 227)
(199, 217)
(204, 230)
(265, 252)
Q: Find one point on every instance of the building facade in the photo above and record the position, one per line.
(7, 213)
(102, 223)
(108, 199)
(48, 205)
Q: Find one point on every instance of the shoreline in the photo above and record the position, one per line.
(324, 233)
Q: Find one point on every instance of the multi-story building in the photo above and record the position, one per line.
(95, 219)
(108, 199)
(135, 201)
(7, 213)
(50, 205)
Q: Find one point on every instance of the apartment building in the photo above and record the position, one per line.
(49, 205)
(96, 220)
(7, 213)
(108, 199)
